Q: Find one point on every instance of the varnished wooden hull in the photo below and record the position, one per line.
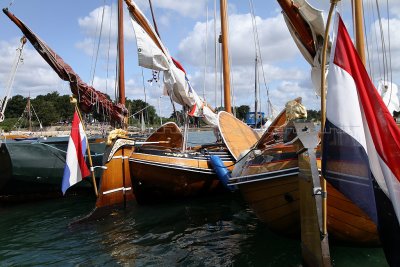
(276, 202)
(164, 175)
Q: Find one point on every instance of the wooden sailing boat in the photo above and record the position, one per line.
(269, 177)
(163, 167)
(22, 162)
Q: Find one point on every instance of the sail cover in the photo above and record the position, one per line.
(306, 26)
(153, 55)
(88, 97)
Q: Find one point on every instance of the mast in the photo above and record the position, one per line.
(256, 92)
(225, 56)
(359, 28)
(121, 73)
(28, 105)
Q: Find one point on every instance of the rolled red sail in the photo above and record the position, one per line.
(88, 97)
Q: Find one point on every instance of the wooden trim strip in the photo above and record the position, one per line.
(174, 166)
(263, 176)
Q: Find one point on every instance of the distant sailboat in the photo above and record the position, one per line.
(142, 123)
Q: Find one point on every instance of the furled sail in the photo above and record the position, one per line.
(88, 97)
(307, 27)
(388, 92)
(153, 55)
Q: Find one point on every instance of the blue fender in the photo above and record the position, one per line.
(222, 172)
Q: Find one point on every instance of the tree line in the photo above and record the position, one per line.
(53, 108)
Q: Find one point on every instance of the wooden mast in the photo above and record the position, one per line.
(256, 92)
(121, 62)
(29, 113)
(225, 56)
(358, 26)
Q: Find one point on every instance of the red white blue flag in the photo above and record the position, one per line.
(75, 166)
(361, 156)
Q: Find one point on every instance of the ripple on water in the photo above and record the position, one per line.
(215, 231)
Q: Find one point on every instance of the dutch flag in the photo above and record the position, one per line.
(75, 165)
(361, 156)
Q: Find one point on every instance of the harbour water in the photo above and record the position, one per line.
(212, 231)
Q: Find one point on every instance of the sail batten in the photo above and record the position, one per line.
(88, 96)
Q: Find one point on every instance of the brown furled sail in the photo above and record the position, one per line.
(301, 27)
(87, 96)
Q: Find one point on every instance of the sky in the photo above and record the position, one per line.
(71, 29)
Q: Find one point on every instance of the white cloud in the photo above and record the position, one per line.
(33, 76)
(285, 77)
(91, 25)
(273, 35)
(377, 54)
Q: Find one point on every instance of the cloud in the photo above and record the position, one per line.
(279, 82)
(91, 25)
(33, 76)
(272, 32)
(287, 74)
(382, 60)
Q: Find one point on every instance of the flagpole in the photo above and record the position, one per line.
(323, 111)
(73, 100)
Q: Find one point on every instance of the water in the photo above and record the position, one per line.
(212, 231)
(216, 231)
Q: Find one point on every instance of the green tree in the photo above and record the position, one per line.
(313, 115)
(135, 105)
(64, 107)
(16, 106)
(241, 111)
(45, 110)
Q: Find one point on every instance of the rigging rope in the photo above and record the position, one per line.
(390, 52)
(205, 58)
(98, 42)
(370, 67)
(215, 54)
(34, 112)
(7, 92)
(145, 97)
(258, 49)
(109, 46)
(94, 48)
(383, 43)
